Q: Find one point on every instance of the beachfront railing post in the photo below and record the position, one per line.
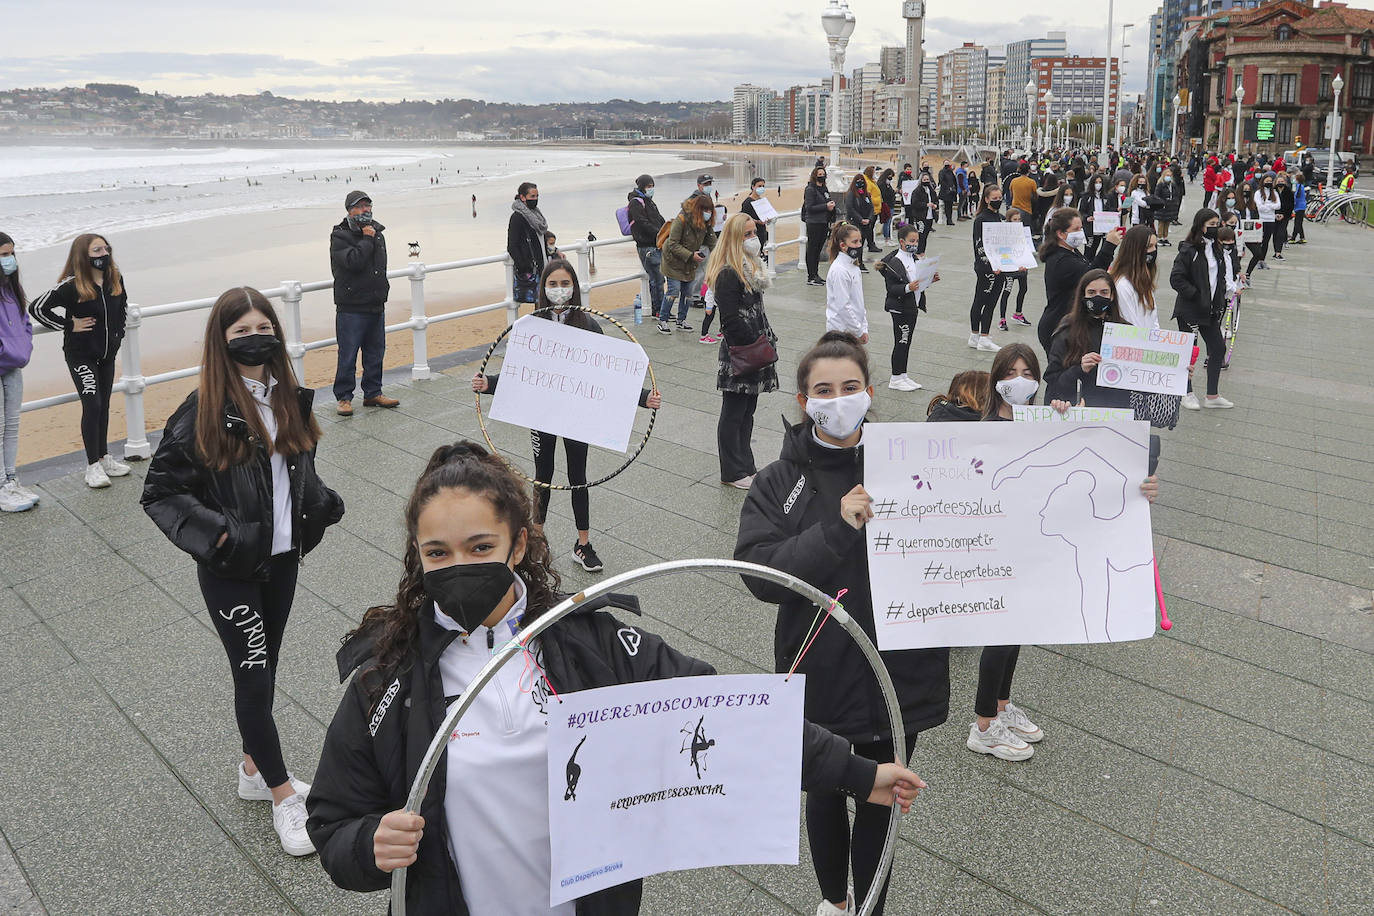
(418, 322)
(771, 249)
(646, 307)
(512, 307)
(584, 271)
(136, 434)
(291, 306)
(801, 240)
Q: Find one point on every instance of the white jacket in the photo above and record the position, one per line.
(1266, 208)
(1132, 309)
(844, 297)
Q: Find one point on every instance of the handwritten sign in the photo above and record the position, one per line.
(1145, 359)
(1008, 533)
(926, 268)
(720, 217)
(908, 188)
(570, 382)
(1034, 414)
(764, 209)
(1007, 246)
(661, 776)
(1103, 221)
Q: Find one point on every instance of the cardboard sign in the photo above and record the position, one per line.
(1145, 359)
(908, 188)
(1104, 221)
(1250, 232)
(570, 382)
(926, 268)
(989, 534)
(720, 218)
(667, 775)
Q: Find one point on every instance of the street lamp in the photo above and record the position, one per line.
(839, 25)
(1336, 85)
(1240, 100)
(1048, 97)
(1031, 93)
(1173, 128)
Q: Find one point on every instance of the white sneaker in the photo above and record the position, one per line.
(1190, 401)
(998, 741)
(1019, 724)
(31, 495)
(743, 483)
(288, 819)
(973, 341)
(96, 478)
(986, 345)
(826, 908)
(903, 383)
(11, 500)
(114, 468)
(1217, 403)
(255, 788)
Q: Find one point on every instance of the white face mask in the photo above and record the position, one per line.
(1077, 239)
(839, 417)
(752, 246)
(559, 295)
(1018, 391)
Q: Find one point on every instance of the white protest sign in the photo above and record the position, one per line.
(908, 188)
(926, 269)
(667, 775)
(1005, 246)
(764, 209)
(570, 382)
(720, 217)
(1250, 232)
(1145, 359)
(991, 534)
(1028, 260)
(1104, 221)
(1037, 414)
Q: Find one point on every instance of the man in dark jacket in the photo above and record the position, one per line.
(949, 191)
(357, 256)
(645, 221)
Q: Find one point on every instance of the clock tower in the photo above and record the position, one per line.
(913, 11)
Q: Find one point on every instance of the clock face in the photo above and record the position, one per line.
(913, 9)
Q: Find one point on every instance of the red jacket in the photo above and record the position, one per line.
(1209, 178)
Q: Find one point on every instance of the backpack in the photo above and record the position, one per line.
(663, 234)
(622, 216)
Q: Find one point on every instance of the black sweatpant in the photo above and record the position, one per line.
(733, 432)
(1216, 351)
(1260, 251)
(816, 237)
(544, 446)
(925, 225)
(1298, 231)
(835, 847)
(903, 328)
(1280, 235)
(250, 618)
(949, 210)
(866, 232)
(986, 289)
(1020, 295)
(94, 381)
(996, 666)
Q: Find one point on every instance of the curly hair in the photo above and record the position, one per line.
(460, 466)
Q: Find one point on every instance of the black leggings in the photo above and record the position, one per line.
(903, 328)
(250, 618)
(1280, 235)
(986, 289)
(1216, 351)
(835, 847)
(995, 667)
(1258, 252)
(1298, 231)
(1020, 295)
(94, 380)
(544, 445)
(925, 225)
(949, 210)
(866, 232)
(816, 237)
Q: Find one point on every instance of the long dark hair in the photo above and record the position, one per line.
(1197, 234)
(1001, 364)
(221, 383)
(815, 173)
(11, 281)
(78, 265)
(1082, 327)
(461, 466)
(1130, 263)
(1060, 221)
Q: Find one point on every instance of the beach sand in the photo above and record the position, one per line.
(174, 341)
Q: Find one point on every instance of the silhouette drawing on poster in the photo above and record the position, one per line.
(1086, 506)
(574, 771)
(698, 744)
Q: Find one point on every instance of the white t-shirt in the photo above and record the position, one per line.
(1132, 310)
(844, 297)
(281, 476)
(496, 800)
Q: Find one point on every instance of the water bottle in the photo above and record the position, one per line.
(639, 310)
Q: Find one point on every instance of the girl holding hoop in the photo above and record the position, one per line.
(476, 569)
(805, 515)
(560, 300)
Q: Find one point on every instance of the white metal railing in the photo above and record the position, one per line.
(132, 382)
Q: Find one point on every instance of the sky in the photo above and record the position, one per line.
(523, 51)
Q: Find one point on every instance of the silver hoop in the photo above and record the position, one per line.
(512, 648)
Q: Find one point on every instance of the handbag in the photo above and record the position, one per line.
(1160, 409)
(750, 358)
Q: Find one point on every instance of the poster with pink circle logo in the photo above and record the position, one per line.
(1145, 359)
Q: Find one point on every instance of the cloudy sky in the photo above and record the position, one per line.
(521, 51)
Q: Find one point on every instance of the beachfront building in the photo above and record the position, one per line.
(1078, 87)
(892, 61)
(929, 93)
(757, 113)
(997, 82)
(962, 89)
(1020, 55)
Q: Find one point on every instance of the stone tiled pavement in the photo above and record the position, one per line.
(1223, 767)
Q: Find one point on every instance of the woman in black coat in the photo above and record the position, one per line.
(860, 211)
(1199, 277)
(1065, 265)
(818, 213)
(924, 208)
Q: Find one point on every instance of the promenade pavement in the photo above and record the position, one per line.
(1223, 767)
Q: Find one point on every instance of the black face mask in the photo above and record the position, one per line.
(855, 253)
(99, 263)
(1097, 306)
(532, 203)
(1150, 257)
(995, 204)
(254, 349)
(1211, 232)
(468, 593)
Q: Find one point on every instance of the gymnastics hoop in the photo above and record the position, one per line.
(514, 647)
(482, 423)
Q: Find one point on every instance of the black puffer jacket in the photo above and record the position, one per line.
(948, 411)
(900, 299)
(791, 521)
(1065, 379)
(645, 219)
(194, 505)
(1196, 304)
(359, 265)
(373, 751)
(815, 209)
(108, 309)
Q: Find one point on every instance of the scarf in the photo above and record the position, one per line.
(536, 219)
